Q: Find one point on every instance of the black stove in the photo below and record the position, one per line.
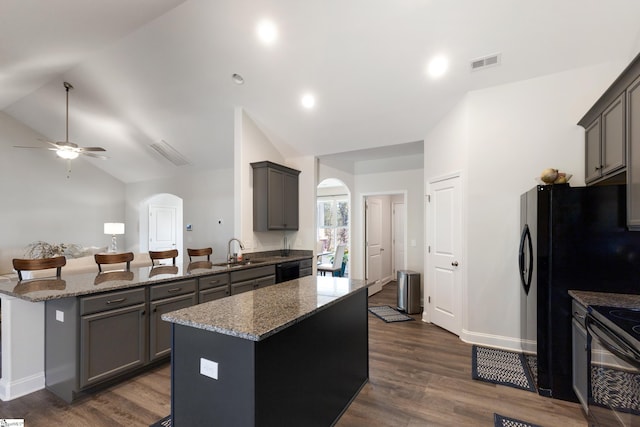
(624, 321)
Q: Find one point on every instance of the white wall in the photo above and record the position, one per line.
(252, 145)
(408, 181)
(40, 203)
(207, 198)
(501, 138)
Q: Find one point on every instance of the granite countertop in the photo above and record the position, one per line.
(588, 298)
(263, 312)
(78, 284)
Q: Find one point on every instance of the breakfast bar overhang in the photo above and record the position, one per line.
(290, 354)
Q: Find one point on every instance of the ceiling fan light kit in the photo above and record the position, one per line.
(68, 150)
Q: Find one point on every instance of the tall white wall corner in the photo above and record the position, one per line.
(22, 347)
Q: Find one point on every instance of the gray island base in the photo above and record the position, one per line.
(293, 354)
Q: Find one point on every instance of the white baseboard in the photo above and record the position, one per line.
(495, 341)
(22, 387)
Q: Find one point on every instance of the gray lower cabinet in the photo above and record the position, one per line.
(306, 267)
(165, 298)
(213, 287)
(580, 362)
(252, 278)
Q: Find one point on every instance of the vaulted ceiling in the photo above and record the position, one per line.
(147, 71)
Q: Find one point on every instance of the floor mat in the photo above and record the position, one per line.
(501, 367)
(389, 314)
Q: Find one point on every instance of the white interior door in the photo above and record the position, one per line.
(373, 244)
(162, 227)
(398, 238)
(444, 270)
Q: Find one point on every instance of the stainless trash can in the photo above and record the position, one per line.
(409, 291)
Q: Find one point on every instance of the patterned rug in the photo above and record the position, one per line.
(389, 314)
(615, 388)
(501, 367)
(165, 422)
(502, 421)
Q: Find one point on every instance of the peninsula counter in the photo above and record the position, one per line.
(289, 354)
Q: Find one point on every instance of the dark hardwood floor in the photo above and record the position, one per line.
(420, 375)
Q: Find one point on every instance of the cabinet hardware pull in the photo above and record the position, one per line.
(143, 313)
(213, 282)
(115, 301)
(174, 289)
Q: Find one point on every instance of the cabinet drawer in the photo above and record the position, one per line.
(252, 273)
(240, 287)
(265, 281)
(111, 300)
(213, 281)
(214, 294)
(305, 263)
(172, 289)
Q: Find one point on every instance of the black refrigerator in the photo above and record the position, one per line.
(571, 238)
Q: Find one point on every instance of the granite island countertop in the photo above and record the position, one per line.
(608, 299)
(79, 284)
(263, 312)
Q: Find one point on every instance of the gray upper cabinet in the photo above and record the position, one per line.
(633, 150)
(605, 144)
(275, 197)
(614, 121)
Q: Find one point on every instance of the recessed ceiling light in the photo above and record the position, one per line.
(267, 31)
(437, 66)
(308, 101)
(237, 79)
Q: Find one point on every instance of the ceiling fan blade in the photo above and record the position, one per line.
(53, 144)
(92, 149)
(90, 154)
(39, 148)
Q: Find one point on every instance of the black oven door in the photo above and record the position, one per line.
(614, 380)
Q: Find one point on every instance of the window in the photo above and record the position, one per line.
(333, 222)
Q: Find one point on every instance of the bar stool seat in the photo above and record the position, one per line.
(158, 255)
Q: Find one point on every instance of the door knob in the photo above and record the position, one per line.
(454, 263)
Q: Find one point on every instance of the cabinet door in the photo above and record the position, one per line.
(214, 294)
(275, 199)
(633, 149)
(290, 202)
(159, 330)
(111, 342)
(613, 137)
(593, 169)
(580, 363)
(265, 281)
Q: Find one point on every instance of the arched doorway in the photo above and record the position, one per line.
(333, 227)
(161, 223)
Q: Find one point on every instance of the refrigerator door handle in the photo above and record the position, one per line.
(525, 238)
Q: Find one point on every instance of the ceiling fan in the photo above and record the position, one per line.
(66, 149)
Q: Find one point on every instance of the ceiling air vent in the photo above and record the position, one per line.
(168, 152)
(485, 61)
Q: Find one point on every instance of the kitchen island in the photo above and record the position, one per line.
(87, 330)
(290, 354)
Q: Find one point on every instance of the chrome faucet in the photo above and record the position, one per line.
(231, 258)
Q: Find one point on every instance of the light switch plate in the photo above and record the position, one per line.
(60, 316)
(209, 368)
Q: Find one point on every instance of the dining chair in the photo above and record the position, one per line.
(113, 259)
(21, 265)
(156, 255)
(334, 268)
(200, 252)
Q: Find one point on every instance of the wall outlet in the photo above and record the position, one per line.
(209, 368)
(60, 316)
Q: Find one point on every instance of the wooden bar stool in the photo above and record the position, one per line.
(113, 259)
(171, 253)
(21, 265)
(200, 252)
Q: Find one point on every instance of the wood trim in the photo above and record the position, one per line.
(39, 264)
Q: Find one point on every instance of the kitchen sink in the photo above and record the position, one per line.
(238, 264)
